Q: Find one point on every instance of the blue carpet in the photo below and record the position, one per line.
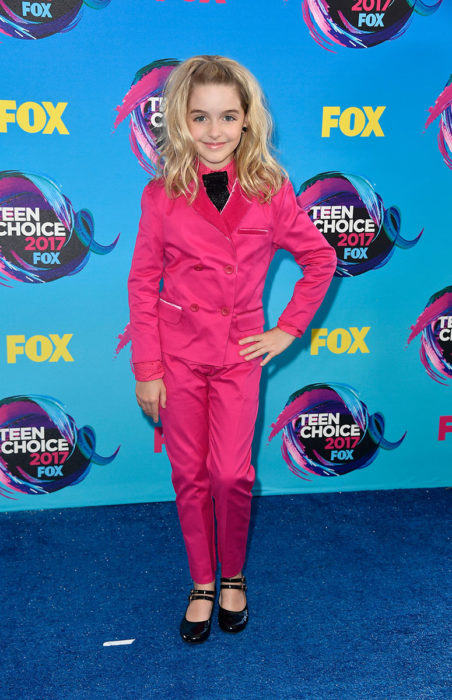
(348, 597)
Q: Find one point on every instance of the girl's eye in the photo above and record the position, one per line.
(202, 117)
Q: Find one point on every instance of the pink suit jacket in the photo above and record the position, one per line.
(214, 267)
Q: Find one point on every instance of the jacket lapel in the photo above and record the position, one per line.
(235, 208)
(205, 208)
(232, 213)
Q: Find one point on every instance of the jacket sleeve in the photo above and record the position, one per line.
(147, 371)
(295, 232)
(144, 281)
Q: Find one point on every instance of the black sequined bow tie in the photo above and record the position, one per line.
(217, 187)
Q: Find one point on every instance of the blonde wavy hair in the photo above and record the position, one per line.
(259, 174)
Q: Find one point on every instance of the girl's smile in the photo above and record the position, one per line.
(215, 118)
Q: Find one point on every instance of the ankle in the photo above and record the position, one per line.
(239, 575)
(204, 586)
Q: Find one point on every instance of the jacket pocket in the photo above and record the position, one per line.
(168, 311)
(259, 231)
(250, 319)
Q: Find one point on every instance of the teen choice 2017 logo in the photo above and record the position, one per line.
(443, 107)
(327, 431)
(359, 24)
(143, 103)
(435, 326)
(37, 20)
(41, 448)
(351, 216)
(42, 238)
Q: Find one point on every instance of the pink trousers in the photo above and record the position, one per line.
(208, 427)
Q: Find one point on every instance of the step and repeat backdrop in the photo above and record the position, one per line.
(361, 96)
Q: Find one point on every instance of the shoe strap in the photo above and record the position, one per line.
(233, 580)
(198, 594)
(240, 580)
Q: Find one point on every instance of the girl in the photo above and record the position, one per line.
(211, 222)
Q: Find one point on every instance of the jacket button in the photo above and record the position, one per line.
(224, 310)
(198, 266)
(194, 307)
(228, 269)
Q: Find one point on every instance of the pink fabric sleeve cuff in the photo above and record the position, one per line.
(289, 329)
(147, 371)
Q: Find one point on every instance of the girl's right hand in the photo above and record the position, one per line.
(150, 395)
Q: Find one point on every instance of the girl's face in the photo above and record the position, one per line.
(215, 118)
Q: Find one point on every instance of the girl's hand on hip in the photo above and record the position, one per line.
(150, 395)
(273, 342)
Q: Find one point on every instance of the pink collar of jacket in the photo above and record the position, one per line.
(229, 168)
(235, 208)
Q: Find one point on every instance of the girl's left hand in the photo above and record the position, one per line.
(273, 341)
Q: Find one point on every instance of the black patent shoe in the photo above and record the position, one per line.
(197, 632)
(229, 620)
